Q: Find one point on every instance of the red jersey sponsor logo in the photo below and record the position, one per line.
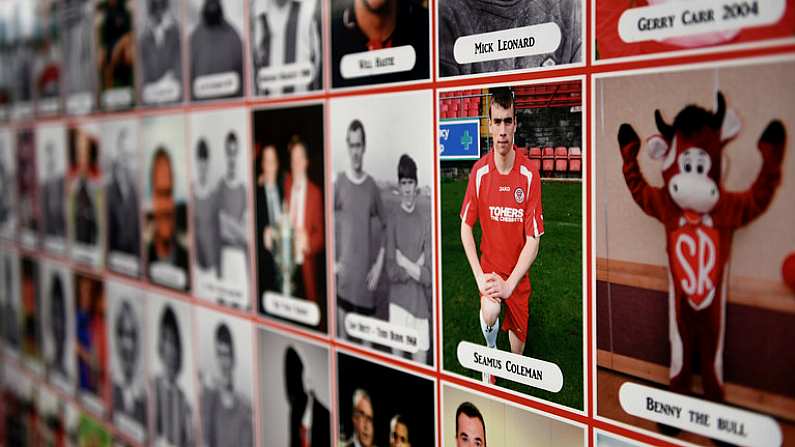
(506, 214)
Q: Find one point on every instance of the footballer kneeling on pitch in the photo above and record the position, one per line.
(504, 193)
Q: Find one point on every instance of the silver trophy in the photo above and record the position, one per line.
(283, 243)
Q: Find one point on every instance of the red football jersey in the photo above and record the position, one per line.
(508, 207)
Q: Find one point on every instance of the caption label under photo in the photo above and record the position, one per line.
(123, 263)
(713, 420)
(299, 74)
(166, 274)
(117, 98)
(680, 19)
(382, 332)
(516, 42)
(221, 84)
(79, 103)
(163, 91)
(296, 309)
(517, 368)
(378, 62)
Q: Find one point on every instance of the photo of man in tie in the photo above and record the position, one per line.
(160, 50)
(124, 226)
(127, 400)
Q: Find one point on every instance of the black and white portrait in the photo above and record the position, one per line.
(467, 27)
(84, 195)
(58, 325)
(370, 396)
(127, 341)
(289, 182)
(120, 163)
(51, 172)
(10, 316)
(165, 200)
(294, 390)
(171, 367)
(286, 46)
(225, 371)
(383, 251)
(159, 50)
(80, 74)
(219, 154)
(8, 185)
(215, 48)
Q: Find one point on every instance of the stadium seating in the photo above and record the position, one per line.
(561, 160)
(548, 160)
(575, 160)
(535, 157)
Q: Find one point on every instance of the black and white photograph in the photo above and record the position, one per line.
(10, 317)
(58, 325)
(373, 401)
(115, 53)
(294, 391)
(225, 372)
(159, 45)
(29, 212)
(289, 180)
(220, 215)
(121, 165)
(80, 74)
(49, 424)
(51, 172)
(165, 200)
(6, 70)
(8, 185)
(91, 347)
(127, 342)
(286, 46)
(48, 59)
(171, 375)
(383, 252)
(379, 41)
(493, 36)
(85, 196)
(215, 48)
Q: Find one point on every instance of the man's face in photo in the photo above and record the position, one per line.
(270, 163)
(408, 192)
(298, 161)
(356, 149)
(232, 149)
(125, 157)
(471, 432)
(212, 12)
(502, 126)
(399, 436)
(377, 6)
(163, 207)
(202, 170)
(363, 422)
(226, 363)
(128, 343)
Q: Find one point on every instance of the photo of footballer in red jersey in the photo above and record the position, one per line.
(497, 149)
(504, 194)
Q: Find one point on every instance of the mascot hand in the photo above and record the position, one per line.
(628, 141)
(772, 142)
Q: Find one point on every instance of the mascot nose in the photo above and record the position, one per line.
(676, 188)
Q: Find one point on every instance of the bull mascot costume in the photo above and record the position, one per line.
(700, 218)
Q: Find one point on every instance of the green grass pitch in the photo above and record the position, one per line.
(555, 325)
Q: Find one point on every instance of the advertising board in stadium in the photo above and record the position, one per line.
(459, 139)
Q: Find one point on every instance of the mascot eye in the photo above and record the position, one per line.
(700, 169)
(688, 167)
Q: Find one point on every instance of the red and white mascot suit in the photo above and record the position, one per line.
(700, 217)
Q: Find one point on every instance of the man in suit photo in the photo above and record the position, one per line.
(128, 400)
(173, 412)
(124, 228)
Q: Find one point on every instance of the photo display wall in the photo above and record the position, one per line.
(309, 223)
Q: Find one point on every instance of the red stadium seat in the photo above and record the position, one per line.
(535, 157)
(575, 160)
(561, 159)
(548, 160)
